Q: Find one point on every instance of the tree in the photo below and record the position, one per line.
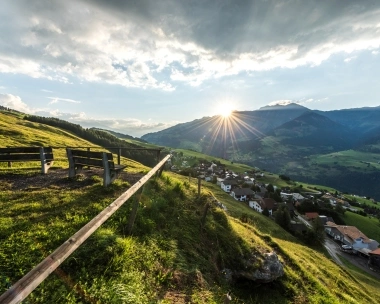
(265, 211)
(282, 217)
(339, 208)
(319, 230)
(270, 188)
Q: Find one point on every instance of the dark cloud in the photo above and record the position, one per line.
(130, 42)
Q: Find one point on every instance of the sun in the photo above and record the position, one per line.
(225, 110)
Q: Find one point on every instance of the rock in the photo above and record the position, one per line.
(270, 270)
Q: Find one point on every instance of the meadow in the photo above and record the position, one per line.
(176, 253)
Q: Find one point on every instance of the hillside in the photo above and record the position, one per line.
(171, 255)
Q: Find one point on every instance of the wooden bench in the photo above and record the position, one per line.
(80, 158)
(24, 154)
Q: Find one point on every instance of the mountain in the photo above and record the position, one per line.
(314, 130)
(289, 139)
(212, 135)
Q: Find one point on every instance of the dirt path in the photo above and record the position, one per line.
(57, 178)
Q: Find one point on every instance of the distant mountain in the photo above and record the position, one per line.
(314, 130)
(292, 140)
(119, 135)
(211, 135)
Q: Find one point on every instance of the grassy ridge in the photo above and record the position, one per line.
(170, 257)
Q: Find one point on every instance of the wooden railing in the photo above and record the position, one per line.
(21, 289)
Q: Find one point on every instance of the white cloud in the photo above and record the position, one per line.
(46, 91)
(350, 58)
(15, 103)
(375, 52)
(124, 43)
(58, 99)
(130, 126)
(281, 102)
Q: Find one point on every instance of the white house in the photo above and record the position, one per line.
(227, 185)
(260, 204)
(242, 194)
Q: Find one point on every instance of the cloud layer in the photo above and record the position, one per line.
(161, 44)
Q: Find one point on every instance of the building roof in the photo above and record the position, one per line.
(376, 251)
(350, 231)
(270, 203)
(229, 182)
(298, 196)
(243, 191)
(311, 215)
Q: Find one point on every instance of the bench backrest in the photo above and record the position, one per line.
(15, 154)
(90, 158)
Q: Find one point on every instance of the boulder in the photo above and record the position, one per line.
(270, 270)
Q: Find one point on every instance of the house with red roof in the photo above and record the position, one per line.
(350, 235)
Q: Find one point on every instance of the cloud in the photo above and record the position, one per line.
(282, 102)
(15, 103)
(350, 58)
(130, 126)
(46, 91)
(158, 44)
(58, 99)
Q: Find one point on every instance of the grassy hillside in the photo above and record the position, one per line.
(170, 257)
(370, 226)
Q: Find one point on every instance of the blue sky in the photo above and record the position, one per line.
(142, 66)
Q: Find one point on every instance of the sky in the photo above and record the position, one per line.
(142, 66)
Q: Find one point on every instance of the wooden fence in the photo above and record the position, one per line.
(21, 289)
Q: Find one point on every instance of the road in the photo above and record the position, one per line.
(357, 260)
(334, 250)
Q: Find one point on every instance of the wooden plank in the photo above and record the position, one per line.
(19, 157)
(90, 154)
(88, 162)
(20, 150)
(21, 289)
(49, 157)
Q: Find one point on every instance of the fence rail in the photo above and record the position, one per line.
(22, 288)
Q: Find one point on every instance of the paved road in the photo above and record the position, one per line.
(359, 261)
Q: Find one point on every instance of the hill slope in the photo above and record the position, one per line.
(170, 257)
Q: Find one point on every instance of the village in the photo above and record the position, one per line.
(301, 206)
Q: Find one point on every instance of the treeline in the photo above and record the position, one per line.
(101, 138)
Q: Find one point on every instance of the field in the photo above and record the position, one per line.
(369, 226)
(172, 254)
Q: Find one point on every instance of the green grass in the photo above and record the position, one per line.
(369, 226)
(355, 160)
(170, 257)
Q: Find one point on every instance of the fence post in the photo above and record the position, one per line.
(118, 156)
(199, 187)
(158, 156)
(88, 157)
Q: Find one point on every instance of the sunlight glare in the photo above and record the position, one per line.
(225, 110)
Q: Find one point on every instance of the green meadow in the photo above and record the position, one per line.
(175, 253)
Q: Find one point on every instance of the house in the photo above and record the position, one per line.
(286, 196)
(350, 235)
(228, 184)
(219, 181)
(248, 180)
(311, 216)
(242, 194)
(259, 204)
(298, 197)
(324, 219)
(374, 258)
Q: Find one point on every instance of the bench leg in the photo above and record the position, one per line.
(72, 171)
(44, 164)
